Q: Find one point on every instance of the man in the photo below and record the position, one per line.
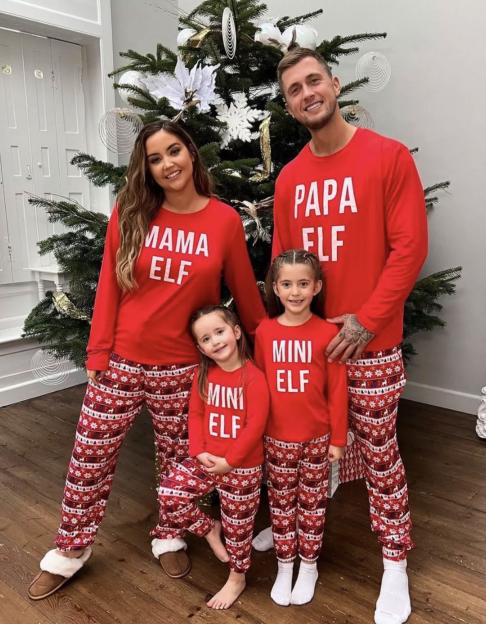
(354, 199)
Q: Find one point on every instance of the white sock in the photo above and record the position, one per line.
(393, 604)
(264, 540)
(305, 584)
(282, 588)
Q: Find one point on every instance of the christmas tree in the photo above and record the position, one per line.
(221, 86)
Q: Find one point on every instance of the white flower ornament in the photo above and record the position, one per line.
(302, 35)
(185, 88)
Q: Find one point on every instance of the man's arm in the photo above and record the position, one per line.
(406, 233)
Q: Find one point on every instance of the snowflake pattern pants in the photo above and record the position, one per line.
(239, 495)
(109, 409)
(297, 494)
(375, 383)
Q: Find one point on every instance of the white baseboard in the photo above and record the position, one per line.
(34, 387)
(443, 397)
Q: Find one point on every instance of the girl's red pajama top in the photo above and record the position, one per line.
(308, 395)
(231, 422)
(180, 268)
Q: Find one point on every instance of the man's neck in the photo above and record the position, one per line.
(333, 137)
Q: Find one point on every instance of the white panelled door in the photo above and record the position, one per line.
(15, 156)
(6, 276)
(70, 117)
(41, 128)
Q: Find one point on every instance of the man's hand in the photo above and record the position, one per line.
(335, 453)
(351, 340)
(204, 459)
(220, 465)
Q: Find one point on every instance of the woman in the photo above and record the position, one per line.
(169, 242)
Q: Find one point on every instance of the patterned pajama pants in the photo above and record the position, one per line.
(239, 493)
(375, 384)
(109, 409)
(297, 494)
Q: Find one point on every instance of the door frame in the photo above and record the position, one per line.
(93, 32)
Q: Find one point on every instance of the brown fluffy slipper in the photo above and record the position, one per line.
(172, 556)
(56, 570)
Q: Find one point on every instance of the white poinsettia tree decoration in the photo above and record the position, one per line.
(185, 88)
(239, 118)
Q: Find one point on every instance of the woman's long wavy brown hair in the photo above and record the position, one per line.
(293, 256)
(141, 197)
(204, 361)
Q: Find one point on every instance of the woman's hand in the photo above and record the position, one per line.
(335, 453)
(93, 374)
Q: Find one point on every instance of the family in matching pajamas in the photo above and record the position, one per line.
(349, 241)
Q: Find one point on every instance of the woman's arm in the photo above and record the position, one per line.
(107, 300)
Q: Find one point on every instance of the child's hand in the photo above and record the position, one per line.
(335, 453)
(220, 465)
(205, 460)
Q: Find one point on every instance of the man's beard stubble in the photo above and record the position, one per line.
(318, 124)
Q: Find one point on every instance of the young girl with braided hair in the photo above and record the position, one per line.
(307, 425)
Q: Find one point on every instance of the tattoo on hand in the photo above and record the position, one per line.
(354, 332)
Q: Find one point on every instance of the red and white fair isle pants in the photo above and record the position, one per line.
(375, 383)
(109, 409)
(297, 493)
(239, 495)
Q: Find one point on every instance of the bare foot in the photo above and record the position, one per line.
(217, 546)
(230, 591)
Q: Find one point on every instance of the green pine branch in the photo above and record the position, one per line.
(432, 200)
(422, 308)
(331, 50)
(286, 22)
(343, 103)
(163, 61)
(353, 85)
(58, 334)
(72, 215)
(100, 173)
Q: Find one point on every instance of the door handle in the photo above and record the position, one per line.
(29, 173)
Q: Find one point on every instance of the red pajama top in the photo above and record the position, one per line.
(308, 395)
(231, 422)
(179, 269)
(362, 212)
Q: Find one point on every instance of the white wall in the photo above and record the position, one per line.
(435, 100)
(141, 25)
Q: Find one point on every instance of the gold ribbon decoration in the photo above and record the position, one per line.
(197, 40)
(65, 306)
(266, 150)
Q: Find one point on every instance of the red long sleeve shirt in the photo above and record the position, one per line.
(231, 422)
(179, 269)
(362, 212)
(308, 395)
